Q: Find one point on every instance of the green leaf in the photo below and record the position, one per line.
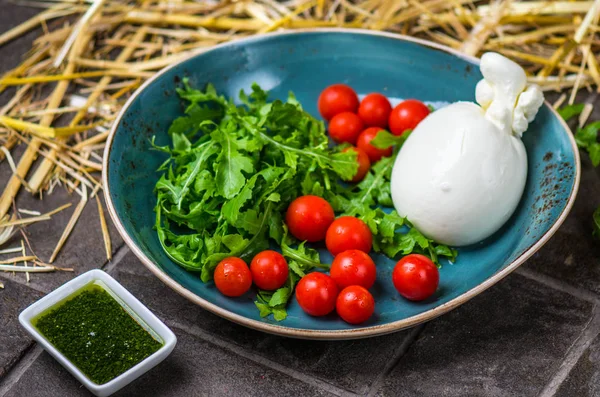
(588, 135)
(444, 250)
(296, 268)
(230, 165)
(249, 221)
(264, 309)
(192, 170)
(389, 224)
(384, 139)
(279, 314)
(596, 218)
(276, 227)
(305, 258)
(567, 112)
(196, 96)
(235, 242)
(231, 209)
(280, 297)
(177, 131)
(344, 164)
(587, 138)
(594, 151)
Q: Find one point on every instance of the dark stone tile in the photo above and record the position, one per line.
(507, 342)
(84, 249)
(12, 52)
(14, 341)
(573, 254)
(584, 378)
(11, 16)
(352, 365)
(571, 258)
(195, 368)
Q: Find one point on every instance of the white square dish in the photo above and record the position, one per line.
(129, 303)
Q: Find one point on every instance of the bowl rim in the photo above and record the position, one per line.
(334, 334)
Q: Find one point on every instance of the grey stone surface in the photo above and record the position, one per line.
(195, 368)
(573, 254)
(584, 377)
(13, 339)
(12, 52)
(10, 17)
(508, 341)
(83, 251)
(352, 365)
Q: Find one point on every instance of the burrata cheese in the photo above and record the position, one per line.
(461, 173)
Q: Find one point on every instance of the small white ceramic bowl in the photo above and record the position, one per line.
(129, 302)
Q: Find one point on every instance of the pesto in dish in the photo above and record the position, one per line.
(96, 334)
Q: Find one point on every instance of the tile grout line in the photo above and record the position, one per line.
(17, 371)
(240, 351)
(404, 346)
(109, 266)
(559, 285)
(579, 346)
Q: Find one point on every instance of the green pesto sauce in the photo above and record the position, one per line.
(96, 334)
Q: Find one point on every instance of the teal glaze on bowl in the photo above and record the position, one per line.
(305, 63)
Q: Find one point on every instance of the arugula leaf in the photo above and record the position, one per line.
(596, 218)
(385, 139)
(275, 302)
(231, 162)
(587, 138)
(193, 169)
(567, 112)
(304, 258)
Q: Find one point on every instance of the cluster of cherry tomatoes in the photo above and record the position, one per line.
(348, 239)
(268, 270)
(358, 122)
(352, 273)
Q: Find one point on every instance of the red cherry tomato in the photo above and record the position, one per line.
(374, 110)
(407, 115)
(363, 164)
(355, 304)
(364, 143)
(416, 277)
(353, 267)
(308, 218)
(232, 277)
(316, 294)
(348, 233)
(336, 99)
(345, 127)
(269, 270)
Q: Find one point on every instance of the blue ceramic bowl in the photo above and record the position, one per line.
(305, 63)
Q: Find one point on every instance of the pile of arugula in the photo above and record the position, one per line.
(233, 170)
